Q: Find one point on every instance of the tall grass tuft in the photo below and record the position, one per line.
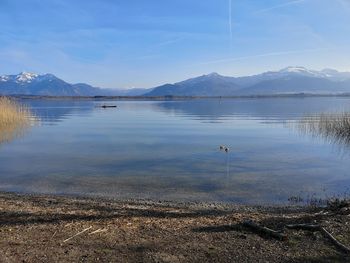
(14, 118)
(332, 126)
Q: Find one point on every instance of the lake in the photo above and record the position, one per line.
(169, 150)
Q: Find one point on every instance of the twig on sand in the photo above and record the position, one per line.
(98, 231)
(67, 225)
(81, 232)
(54, 234)
(263, 230)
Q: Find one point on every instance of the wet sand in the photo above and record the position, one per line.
(42, 228)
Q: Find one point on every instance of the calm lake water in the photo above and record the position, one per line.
(169, 150)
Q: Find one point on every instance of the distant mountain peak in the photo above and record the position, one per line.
(47, 77)
(4, 78)
(297, 69)
(213, 74)
(26, 77)
(26, 73)
(302, 71)
(328, 72)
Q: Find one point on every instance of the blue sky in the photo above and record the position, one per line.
(138, 43)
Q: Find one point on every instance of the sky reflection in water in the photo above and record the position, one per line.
(170, 150)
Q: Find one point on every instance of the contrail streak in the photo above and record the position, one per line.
(279, 6)
(263, 55)
(230, 21)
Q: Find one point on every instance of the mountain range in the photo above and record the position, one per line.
(27, 83)
(291, 80)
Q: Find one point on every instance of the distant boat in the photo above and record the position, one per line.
(107, 106)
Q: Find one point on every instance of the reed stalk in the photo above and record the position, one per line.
(14, 118)
(334, 126)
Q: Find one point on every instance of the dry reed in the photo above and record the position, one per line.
(14, 118)
(333, 126)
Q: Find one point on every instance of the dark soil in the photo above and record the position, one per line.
(36, 229)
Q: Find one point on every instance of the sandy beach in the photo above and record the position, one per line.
(41, 228)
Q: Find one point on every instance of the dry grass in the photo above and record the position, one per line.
(333, 126)
(14, 118)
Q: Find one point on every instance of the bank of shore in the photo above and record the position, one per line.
(41, 228)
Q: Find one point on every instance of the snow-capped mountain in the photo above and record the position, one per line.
(288, 72)
(301, 71)
(285, 81)
(290, 80)
(26, 77)
(205, 85)
(26, 83)
(21, 78)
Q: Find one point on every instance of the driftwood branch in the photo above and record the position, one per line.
(334, 240)
(308, 227)
(328, 235)
(263, 230)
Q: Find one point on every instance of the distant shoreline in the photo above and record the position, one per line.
(171, 97)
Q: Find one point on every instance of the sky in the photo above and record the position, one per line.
(138, 43)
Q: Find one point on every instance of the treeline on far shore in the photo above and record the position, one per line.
(173, 97)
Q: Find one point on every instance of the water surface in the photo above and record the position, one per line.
(169, 150)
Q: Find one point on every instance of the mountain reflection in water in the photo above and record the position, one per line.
(169, 150)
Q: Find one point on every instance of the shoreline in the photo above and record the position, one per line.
(181, 203)
(174, 97)
(42, 228)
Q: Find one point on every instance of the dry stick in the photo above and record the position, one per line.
(334, 240)
(98, 231)
(323, 231)
(53, 234)
(81, 232)
(263, 230)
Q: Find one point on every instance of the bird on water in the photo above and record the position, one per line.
(224, 148)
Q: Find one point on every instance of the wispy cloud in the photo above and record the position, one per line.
(279, 53)
(279, 6)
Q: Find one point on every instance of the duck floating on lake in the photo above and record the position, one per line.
(224, 148)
